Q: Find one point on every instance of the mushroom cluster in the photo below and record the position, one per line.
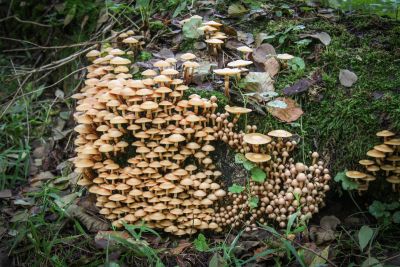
(144, 150)
(384, 160)
(291, 187)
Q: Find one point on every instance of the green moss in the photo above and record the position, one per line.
(341, 122)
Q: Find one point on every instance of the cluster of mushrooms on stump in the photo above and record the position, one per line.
(384, 160)
(145, 151)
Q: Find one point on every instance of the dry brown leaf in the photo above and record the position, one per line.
(183, 244)
(289, 114)
(261, 53)
(272, 66)
(6, 193)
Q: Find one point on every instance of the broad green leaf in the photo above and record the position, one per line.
(236, 10)
(396, 217)
(217, 261)
(291, 220)
(235, 188)
(378, 209)
(200, 243)
(189, 29)
(364, 236)
(253, 202)
(240, 158)
(248, 165)
(347, 184)
(297, 63)
(371, 262)
(180, 8)
(320, 261)
(258, 175)
(277, 104)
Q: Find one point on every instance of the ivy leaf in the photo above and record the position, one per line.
(240, 158)
(297, 63)
(378, 209)
(347, 184)
(248, 165)
(189, 29)
(235, 188)
(200, 243)
(258, 175)
(253, 202)
(396, 217)
(364, 236)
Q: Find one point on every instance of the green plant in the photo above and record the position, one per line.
(385, 212)
(138, 246)
(257, 174)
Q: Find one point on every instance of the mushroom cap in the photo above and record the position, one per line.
(384, 148)
(385, 133)
(375, 154)
(355, 174)
(93, 53)
(393, 179)
(227, 71)
(237, 110)
(130, 40)
(239, 63)
(212, 23)
(119, 61)
(149, 105)
(161, 64)
(149, 73)
(257, 157)
(256, 139)
(280, 133)
(187, 56)
(366, 162)
(244, 49)
(393, 142)
(214, 41)
(388, 167)
(176, 138)
(284, 56)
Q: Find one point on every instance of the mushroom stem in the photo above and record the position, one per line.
(227, 86)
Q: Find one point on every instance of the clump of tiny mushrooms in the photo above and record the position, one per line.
(144, 150)
(291, 187)
(383, 160)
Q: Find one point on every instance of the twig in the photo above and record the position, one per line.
(26, 21)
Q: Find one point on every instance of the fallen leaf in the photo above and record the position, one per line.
(183, 244)
(298, 87)
(6, 193)
(347, 78)
(20, 216)
(329, 222)
(258, 82)
(189, 29)
(42, 176)
(320, 260)
(236, 10)
(258, 253)
(164, 53)
(272, 66)
(103, 240)
(245, 37)
(324, 37)
(199, 45)
(261, 53)
(233, 44)
(92, 223)
(261, 37)
(289, 114)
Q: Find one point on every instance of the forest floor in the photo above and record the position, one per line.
(42, 58)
